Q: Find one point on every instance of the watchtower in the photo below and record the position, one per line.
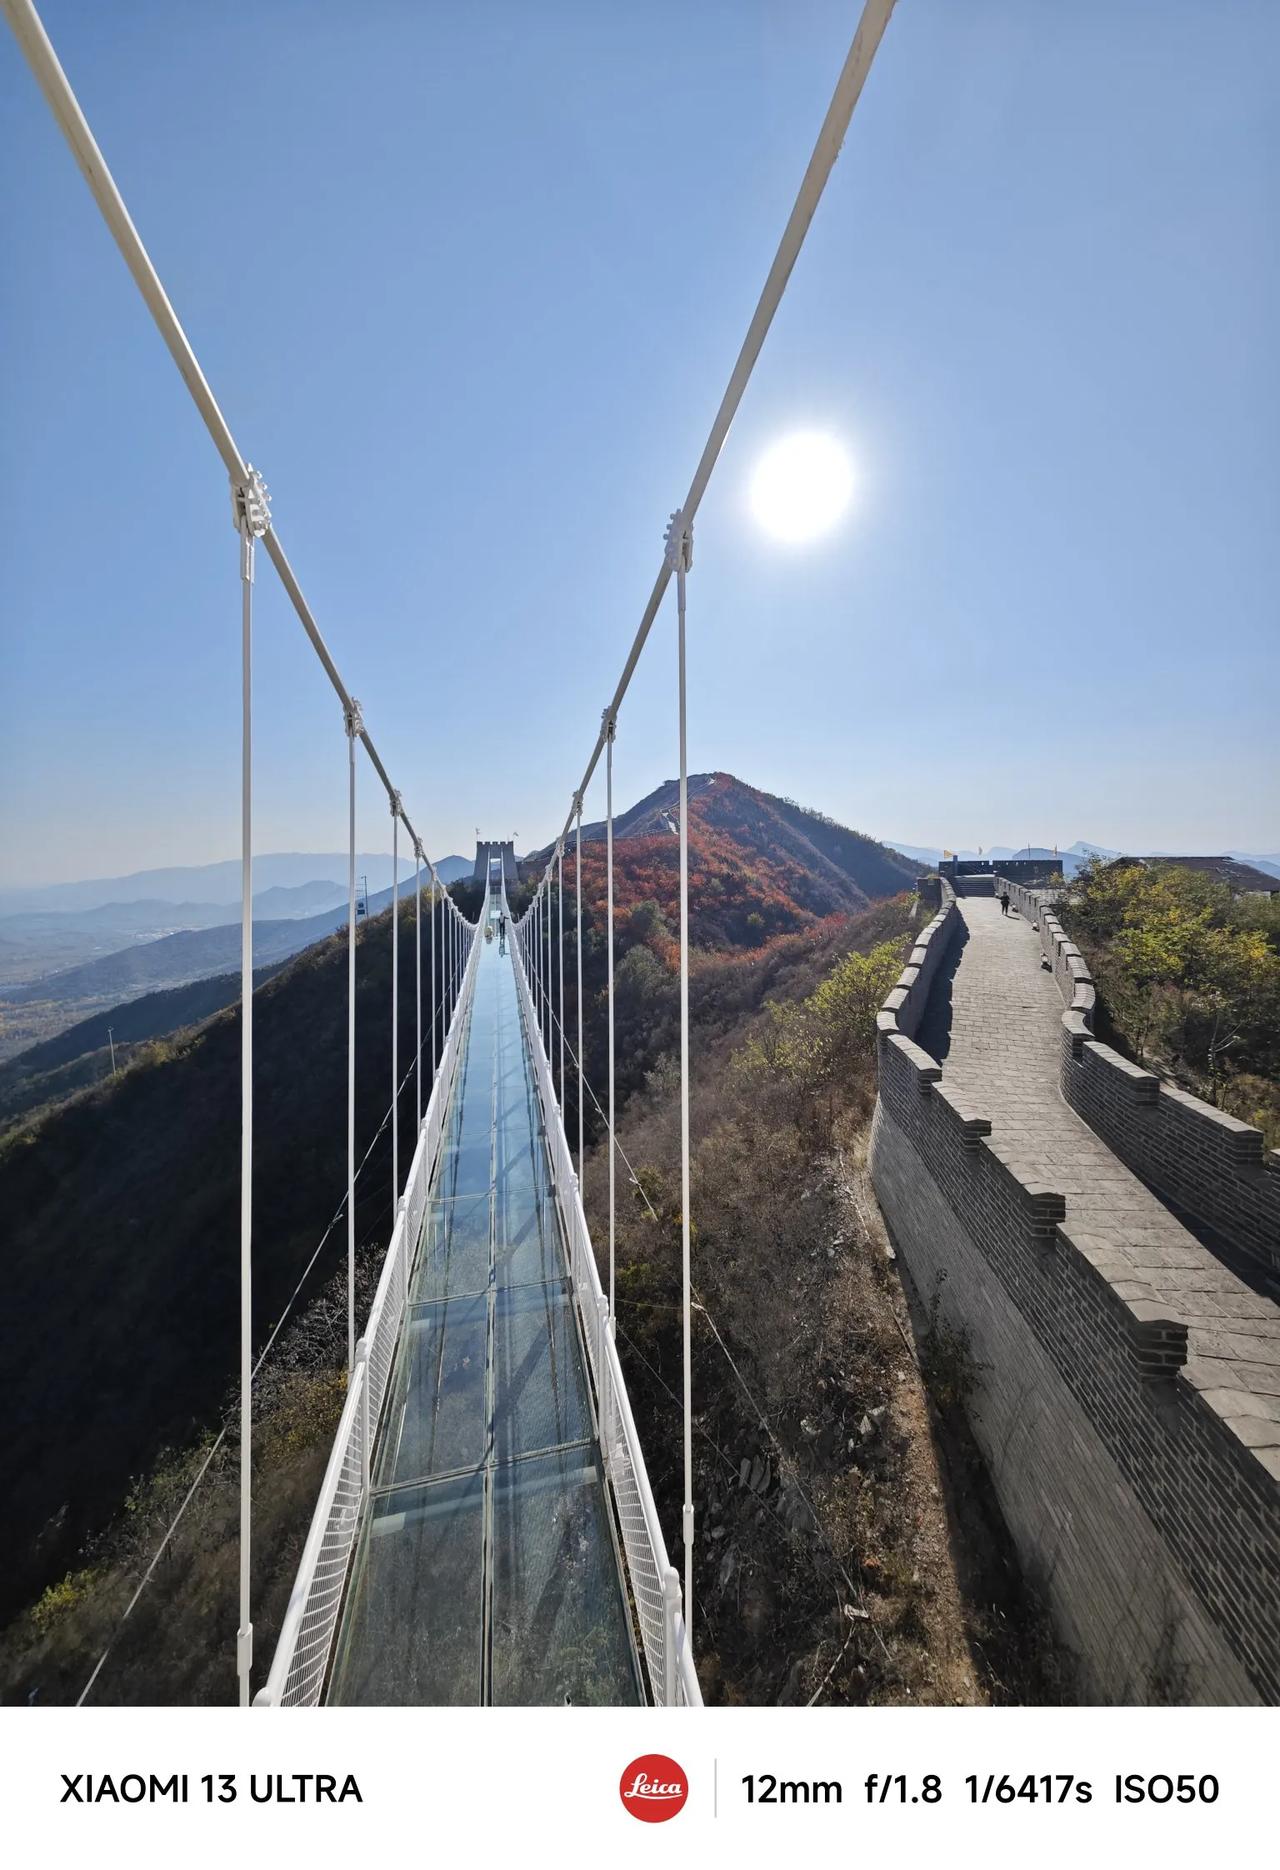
(495, 859)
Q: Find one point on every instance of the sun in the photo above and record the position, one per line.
(801, 486)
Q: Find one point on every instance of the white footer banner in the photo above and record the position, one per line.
(484, 1787)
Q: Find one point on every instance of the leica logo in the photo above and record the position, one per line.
(653, 1788)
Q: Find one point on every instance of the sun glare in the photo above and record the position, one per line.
(801, 487)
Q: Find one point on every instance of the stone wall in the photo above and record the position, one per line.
(1210, 1166)
(1131, 1492)
(904, 1008)
(929, 892)
(1120, 1602)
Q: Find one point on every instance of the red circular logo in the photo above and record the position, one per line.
(653, 1788)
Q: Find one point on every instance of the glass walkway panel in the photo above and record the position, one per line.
(487, 1570)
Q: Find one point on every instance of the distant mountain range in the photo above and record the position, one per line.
(58, 931)
(217, 884)
(761, 865)
(191, 954)
(38, 942)
(1073, 855)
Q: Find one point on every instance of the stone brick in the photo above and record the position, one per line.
(1142, 1484)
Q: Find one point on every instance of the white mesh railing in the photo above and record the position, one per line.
(306, 1639)
(301, 1662)
(655, 1584)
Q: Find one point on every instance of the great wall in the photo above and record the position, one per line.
(1110, 1248)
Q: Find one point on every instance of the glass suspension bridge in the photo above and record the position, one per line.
(485, 1531)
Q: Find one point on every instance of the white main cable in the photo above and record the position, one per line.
(853, 74)
(71, 120)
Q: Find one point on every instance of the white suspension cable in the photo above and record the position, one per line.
(244, 1634)
(218, 1441)
(435, 1052)
(609, 730)
(252, 516)
(680, 556)
(540, 899)
(417, 975)
(539, 985)
(578, 894)
(395, 1003)
(351, 717)
(546, 946)
(560, 916)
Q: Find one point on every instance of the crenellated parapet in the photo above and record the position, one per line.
(904, 1008)
(1210, 1165)
(1127, 1379)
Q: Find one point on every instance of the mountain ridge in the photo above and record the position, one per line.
(760, 865)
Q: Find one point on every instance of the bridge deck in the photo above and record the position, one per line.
(487, 1570)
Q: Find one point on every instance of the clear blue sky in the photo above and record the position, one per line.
(468, 280)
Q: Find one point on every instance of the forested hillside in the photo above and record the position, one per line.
(50, 1071)
(759, 865)
(122, 1257)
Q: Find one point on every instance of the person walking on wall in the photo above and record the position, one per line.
(1004, 902)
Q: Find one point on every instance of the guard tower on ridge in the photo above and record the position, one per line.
(494, 860)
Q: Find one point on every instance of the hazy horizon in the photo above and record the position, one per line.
(12, 884)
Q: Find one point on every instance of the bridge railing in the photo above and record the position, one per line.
(300, 1666)
(655, 1584)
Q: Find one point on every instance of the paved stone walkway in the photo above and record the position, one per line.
(994, 1023)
